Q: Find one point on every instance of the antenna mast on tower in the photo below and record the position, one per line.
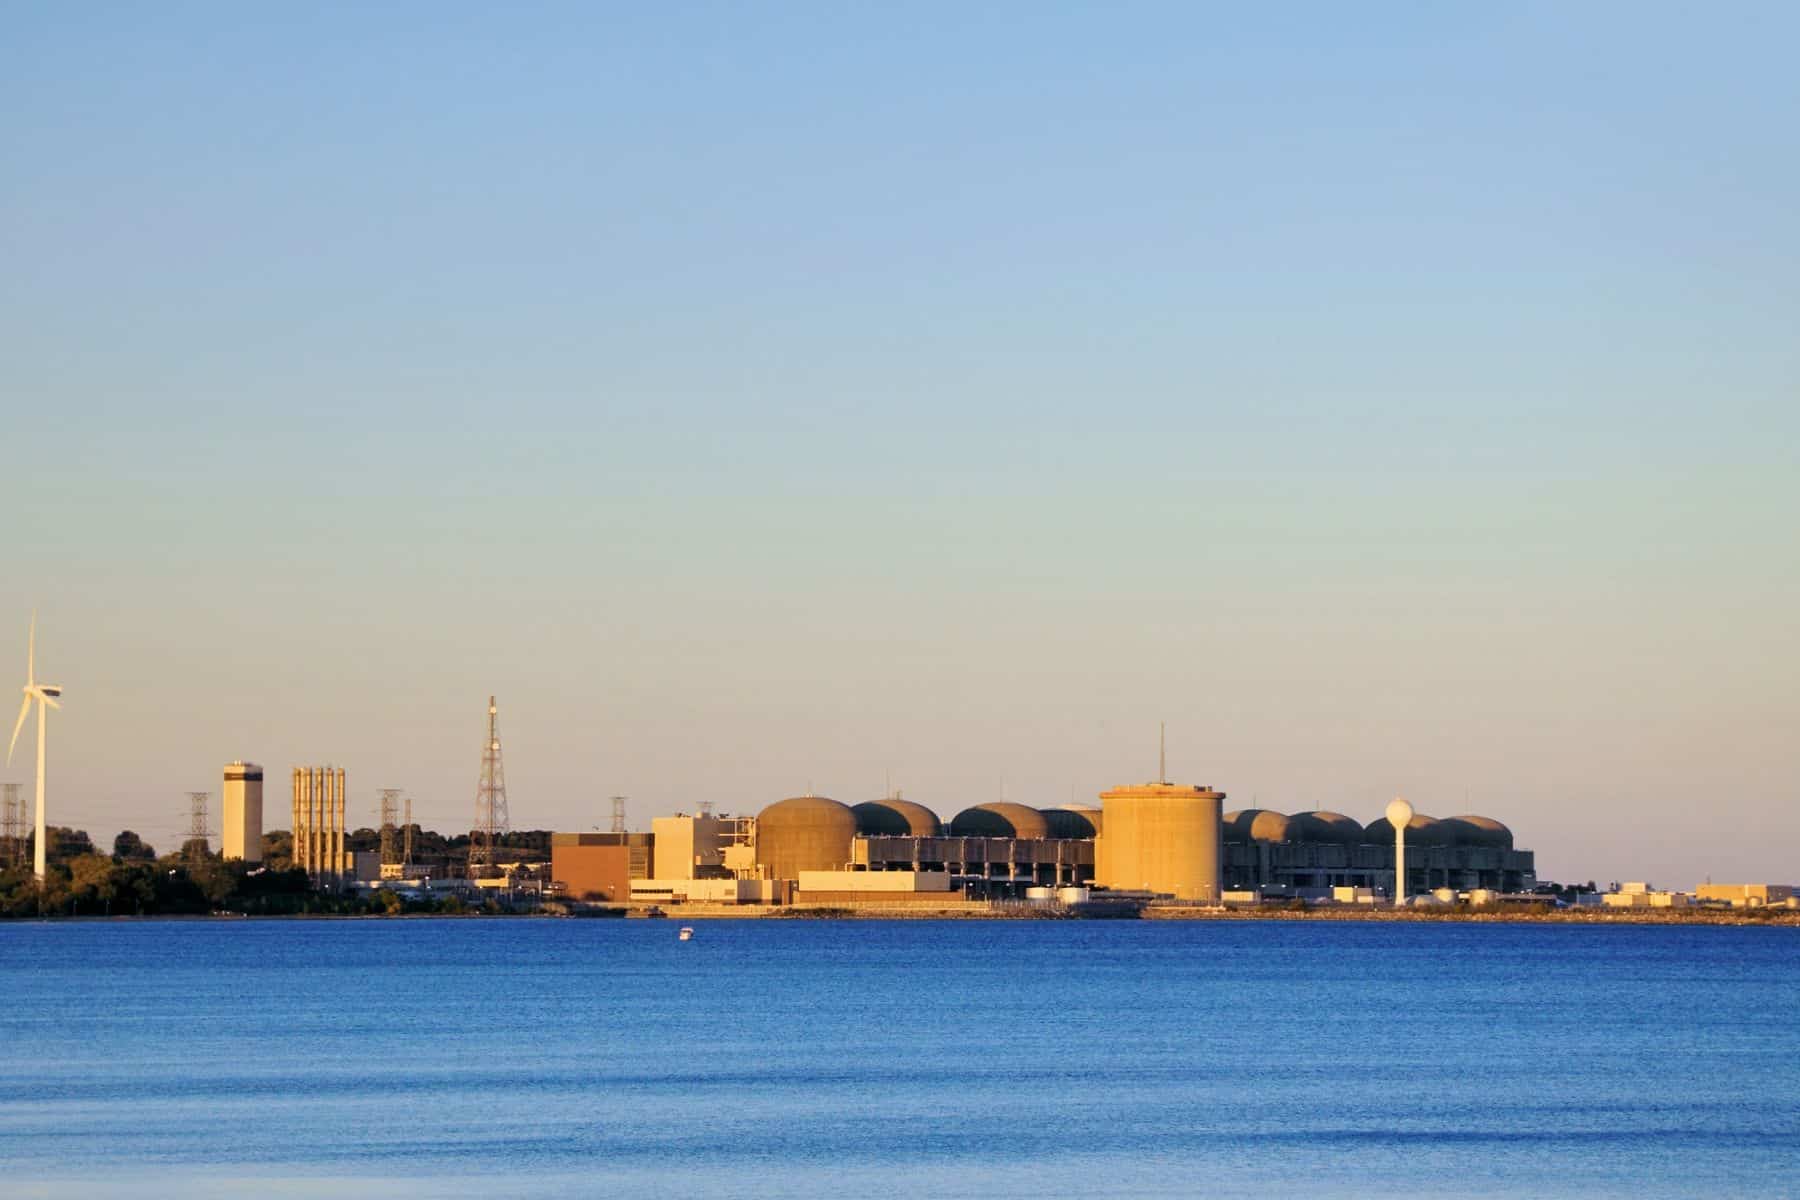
(490, 801)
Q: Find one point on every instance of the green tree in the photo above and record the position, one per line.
(216, 879)
(278, 849)
(93, 882)
(173, 890)
(136, 883)
(129, 847)
(65, 843)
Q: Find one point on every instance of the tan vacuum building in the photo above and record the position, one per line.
(1160, 837)
(319, 822)
(242, 838)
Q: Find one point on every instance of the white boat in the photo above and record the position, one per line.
(687, 933)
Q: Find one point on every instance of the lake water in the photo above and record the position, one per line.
(993, 1059)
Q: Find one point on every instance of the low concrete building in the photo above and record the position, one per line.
(365, 865)
(599, 866)
(1026, 861)
(1642, 895)
(872, 882)
(1745, 895)
(689, 847)
(703, 891)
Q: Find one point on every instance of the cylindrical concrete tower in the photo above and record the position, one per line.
(1161, 837)
(1399, 815)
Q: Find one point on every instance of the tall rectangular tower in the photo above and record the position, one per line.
(243, 812)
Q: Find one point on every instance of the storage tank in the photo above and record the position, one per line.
(894, 817)
(1075, 821)
(999, 820)
(1162, 837)
(806, 833)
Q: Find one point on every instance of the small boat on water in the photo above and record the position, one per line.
(687, 933)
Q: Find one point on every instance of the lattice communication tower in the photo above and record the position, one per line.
(618, 814)
(390, 819)
(490, 802)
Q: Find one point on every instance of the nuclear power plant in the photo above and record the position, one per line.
(1158, 841)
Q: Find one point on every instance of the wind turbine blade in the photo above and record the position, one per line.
(52, 701)
(23, 710)
(31, 652)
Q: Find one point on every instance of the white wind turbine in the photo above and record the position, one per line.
(44, 694)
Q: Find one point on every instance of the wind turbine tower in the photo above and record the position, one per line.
(46, 696)
(490, 801)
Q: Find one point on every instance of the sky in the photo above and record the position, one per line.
(1392, 398)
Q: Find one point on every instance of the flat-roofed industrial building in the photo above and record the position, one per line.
(599, 866)
(1315, 852)
(1745, 895)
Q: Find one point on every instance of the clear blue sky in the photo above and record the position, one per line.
(1390, 397)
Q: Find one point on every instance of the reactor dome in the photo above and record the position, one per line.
(1420, 831)
(1001, 820)
(894, 817)
(807, 833)
(1323, 826)
(1072, 821)
(1468, 830)
(1256, 825)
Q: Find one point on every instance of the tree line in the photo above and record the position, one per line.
(134, 880)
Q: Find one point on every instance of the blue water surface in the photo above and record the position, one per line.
(995, 1059)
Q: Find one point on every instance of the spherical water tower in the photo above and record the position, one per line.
(1399, 813)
